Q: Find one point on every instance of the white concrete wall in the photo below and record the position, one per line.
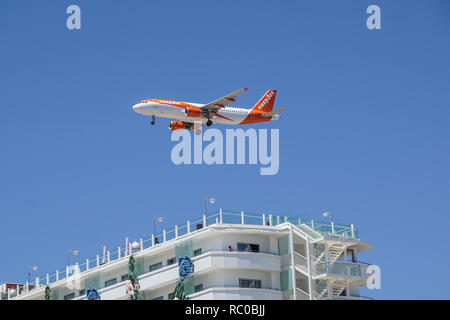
(113, 273)
(160, 257)
(220, 280)
(237, 294)
(163, 291)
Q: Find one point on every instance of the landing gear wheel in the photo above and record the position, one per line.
(209, 123)
(153, 120)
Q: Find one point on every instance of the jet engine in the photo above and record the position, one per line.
(180, 125)
(193, 112)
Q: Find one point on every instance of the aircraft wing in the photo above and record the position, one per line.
(222, 102)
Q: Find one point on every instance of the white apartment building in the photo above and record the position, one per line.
(235, 255)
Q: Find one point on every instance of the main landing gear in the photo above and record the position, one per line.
(209, 123)
(153, 120)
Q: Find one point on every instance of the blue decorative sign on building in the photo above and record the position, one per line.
(185, 267)
(92, 294)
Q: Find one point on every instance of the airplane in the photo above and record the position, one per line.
(192, 116)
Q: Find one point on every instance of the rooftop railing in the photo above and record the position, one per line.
(221, 217)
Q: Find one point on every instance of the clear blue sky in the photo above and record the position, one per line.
(365, 133)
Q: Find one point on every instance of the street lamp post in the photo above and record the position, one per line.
(31, 268)
(329, 214)
(156, 219)
(210, 200)
(74, 252)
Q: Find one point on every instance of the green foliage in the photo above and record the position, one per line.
(179, 291)
(133, 278)
(48, 293)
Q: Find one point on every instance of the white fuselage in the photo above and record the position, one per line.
(225, 115)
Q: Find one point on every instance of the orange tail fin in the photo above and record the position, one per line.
(265, 104)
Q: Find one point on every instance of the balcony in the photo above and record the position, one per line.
(204, 263)
(341, 269)
(235, 293)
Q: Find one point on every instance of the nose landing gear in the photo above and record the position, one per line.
(153, 120)
(209, 123)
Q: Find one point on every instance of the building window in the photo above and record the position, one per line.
(82, 292)
(171, 261)
(250, 247)
(69, 296)
(197, 252)
(159, 298)
(198, 287)
(124, 277)
(155, 266)
(249, 283)
(110, 282)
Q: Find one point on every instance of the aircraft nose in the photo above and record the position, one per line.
(137, 107)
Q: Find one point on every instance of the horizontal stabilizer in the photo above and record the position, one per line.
(272, 113)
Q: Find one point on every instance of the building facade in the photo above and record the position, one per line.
(235, 255)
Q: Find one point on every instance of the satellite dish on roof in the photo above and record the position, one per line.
(135, 245)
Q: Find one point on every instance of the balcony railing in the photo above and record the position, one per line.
(341, 268)
(301, 295)
(301, 261)
(221, 217)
